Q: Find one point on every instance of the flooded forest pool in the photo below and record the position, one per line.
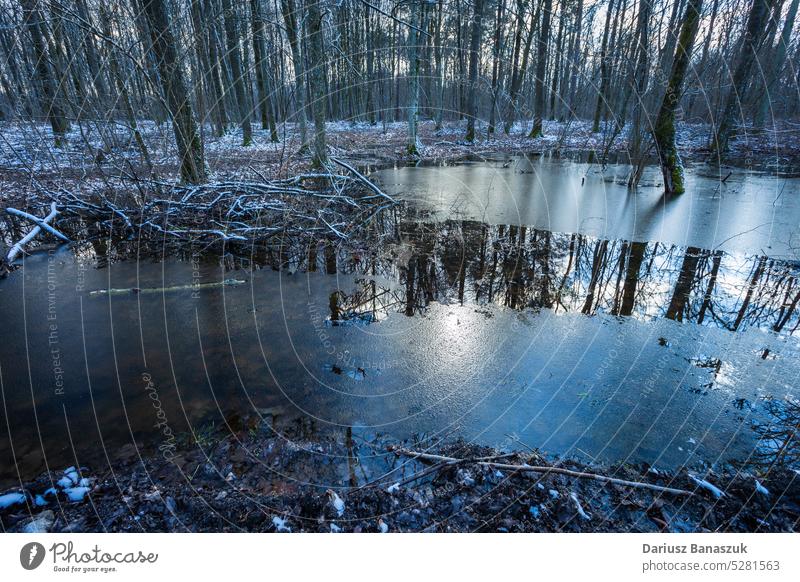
(515, 301)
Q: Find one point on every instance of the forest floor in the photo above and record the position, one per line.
(101, 156)
(254, 479)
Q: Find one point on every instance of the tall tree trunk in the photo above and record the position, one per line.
(215, 67)
(574, 57)
(208, 74)
(418, 21)
(774, 67)
(316, 59)
(474, 60)
(601, 96)
(701, 67)
(288, 7)
(519, 74)
(639, 82)
(90, 50)
(541, 69)
(664, 131)
(497, 64)
(124, 94)
(557, 53)
(438, 53)
(237, 72)
(262, 77)
(370, 42)
(187, 138)
(751, 42)
(47, 84)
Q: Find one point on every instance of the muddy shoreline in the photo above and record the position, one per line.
(258, 480)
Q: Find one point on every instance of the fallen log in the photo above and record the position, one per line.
(543, 469)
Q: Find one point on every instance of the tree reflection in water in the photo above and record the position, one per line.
(417, 263)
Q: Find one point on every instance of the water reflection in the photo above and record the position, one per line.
(455, 327)
(747, 212)
(526, 268)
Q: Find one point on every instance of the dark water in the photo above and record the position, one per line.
(603, 348)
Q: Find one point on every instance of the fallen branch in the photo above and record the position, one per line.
(363, 179)
(543, 469)
(41, 224)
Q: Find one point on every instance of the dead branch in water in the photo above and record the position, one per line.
(439, 459)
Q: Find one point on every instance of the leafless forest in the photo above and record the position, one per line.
(399, 265)
(626, 70)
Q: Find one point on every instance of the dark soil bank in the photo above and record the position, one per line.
(256, 480)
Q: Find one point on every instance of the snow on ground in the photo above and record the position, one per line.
(104, 156)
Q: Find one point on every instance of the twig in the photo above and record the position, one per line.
(544, 469)
(387, 15)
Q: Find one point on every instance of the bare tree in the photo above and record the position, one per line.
(753, 36)
(46, 79)
(474, 61)
(316, 58)
(187, 138)
(541, 68)
(664, 130)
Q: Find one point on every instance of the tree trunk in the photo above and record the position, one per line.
(418, 21)
(262, 77)
(774, 67)
(497, 64)
(664, 131)
(519, 74)
(215, 70)
(235, 65)
(639, 83)
(575, 56)
(187, 138)
(601, 97)
(316, 59)
(754, 34)
(474, 60)
(289, 10)
(558, 53)
(541, 69)
(45, 79)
